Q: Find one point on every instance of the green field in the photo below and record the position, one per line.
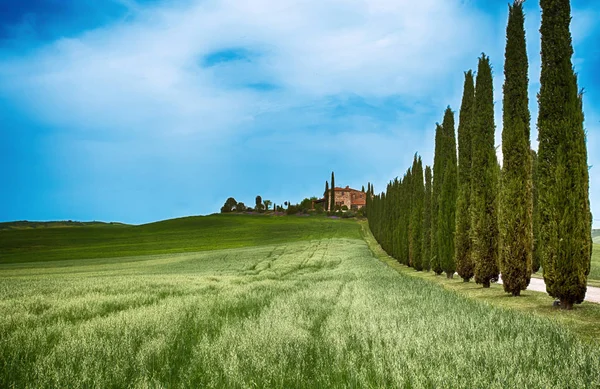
(25, 225)
(188, 234)
(311, 312)
(595, 268)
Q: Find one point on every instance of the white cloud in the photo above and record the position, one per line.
(144, 75)
(142, 78)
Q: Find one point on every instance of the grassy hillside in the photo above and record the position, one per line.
(596, 236)
(171, 236)
(595, 269)
(304, 314)
(20, 225)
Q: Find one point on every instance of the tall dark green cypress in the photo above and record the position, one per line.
(447, 199)
(464, 261)
(563, 181)
(536, 257)
(326, 196)
(425, 254)
(516, 201)
(438, 165)
(370, 198)
(403, 225)
(332, 194)
(418, 191)
(367, 200)
(484, 179)
(394, 212)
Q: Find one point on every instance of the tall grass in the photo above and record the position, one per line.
(306, 314)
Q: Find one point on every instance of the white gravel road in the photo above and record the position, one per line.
(538, 285)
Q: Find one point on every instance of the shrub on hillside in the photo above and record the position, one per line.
(229, 206)
(292, 209)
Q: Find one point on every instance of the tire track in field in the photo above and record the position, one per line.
(310, 263)
(275, 254)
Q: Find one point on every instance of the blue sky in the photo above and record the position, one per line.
(135, 111)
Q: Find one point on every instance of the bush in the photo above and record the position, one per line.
(229, 205)
(344, 207)
(292, 209)
(348, 214)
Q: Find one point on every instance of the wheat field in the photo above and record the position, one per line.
(321, 313)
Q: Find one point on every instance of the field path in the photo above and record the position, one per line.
(538, 285)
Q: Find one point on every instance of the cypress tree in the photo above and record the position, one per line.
(332, 194)
(536, 257)
(370, 197)
(516, 201)
(408, 194)
(367, 200)
(398, 203)
(403, 220)
(395, 228)
(418, 190)
(484, 176)
(563, 181)
(425, 254)
(435, 194)
(447, 200)
(392, 207)
(326, 196)
(464, 262)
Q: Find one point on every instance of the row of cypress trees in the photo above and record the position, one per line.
(473, 217)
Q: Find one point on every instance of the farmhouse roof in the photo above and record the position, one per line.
(347, 188)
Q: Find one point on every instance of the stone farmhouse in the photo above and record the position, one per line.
(351, 198)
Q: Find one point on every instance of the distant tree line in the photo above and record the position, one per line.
(266, 206)
(467, 214)
(307, 206)
(231, 205)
